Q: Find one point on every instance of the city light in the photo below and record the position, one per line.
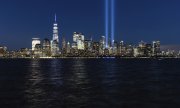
(82, 47)
(107, 46)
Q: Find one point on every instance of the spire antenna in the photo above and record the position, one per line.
(55, 17)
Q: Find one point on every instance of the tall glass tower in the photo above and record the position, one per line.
(55, 40)
(55, 31)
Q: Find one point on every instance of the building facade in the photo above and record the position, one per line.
(55, 40)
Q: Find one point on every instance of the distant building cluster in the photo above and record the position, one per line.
(81, 47)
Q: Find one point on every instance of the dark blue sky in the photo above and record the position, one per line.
(148, 20)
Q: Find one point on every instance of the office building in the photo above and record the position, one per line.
(156, 48)
(55, 40)
(34, 42)
(79, 39)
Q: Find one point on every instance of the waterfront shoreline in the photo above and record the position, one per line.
(93, 58)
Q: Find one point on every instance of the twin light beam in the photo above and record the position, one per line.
(109, 20)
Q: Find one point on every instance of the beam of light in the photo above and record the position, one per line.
(106, 21)
(112, 21)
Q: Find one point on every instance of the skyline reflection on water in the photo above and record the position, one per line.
(89, 83)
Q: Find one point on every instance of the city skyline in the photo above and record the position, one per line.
(20, 24)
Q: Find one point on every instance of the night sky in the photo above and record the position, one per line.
(136, 20)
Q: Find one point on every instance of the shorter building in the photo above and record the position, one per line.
(68, 48)
(148, 51)
(54, 47)
(102, 45)
(37, 51)
(3, 51)
(156, 48)
(95, 48)
(36, 48)
(88, 48)
(64, 47)
(24, 52)
(46, 48)
(34, 42)
(74, 50)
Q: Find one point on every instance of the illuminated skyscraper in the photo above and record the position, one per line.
(121, 48)
(34, 42)
(88, 45)
(46, 44)
(55, 40)
(68, 48)
(79, 39)
(102, 45)
(36, 47)
(142, 48)
(103, 42)
(156, 48)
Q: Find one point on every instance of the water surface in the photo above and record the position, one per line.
(89, 83)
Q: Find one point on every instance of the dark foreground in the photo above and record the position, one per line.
(90, 83)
